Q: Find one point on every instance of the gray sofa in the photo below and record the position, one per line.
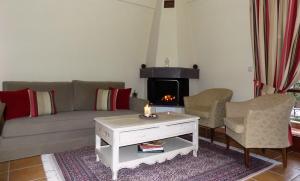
(72, 127)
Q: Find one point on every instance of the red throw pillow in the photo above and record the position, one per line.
(123, 98)
(41, 103)
(17, 103)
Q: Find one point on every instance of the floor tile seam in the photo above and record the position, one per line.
(276, 173)
(36, 165)
(37, 179)
(7, 170)
(4, 171)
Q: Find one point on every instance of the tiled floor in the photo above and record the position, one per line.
(22, 170)
(31, 169)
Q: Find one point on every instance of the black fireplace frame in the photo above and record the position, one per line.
(170, 73)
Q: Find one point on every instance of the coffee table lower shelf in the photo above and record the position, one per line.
(129, 157)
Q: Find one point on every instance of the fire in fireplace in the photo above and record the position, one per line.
(166, 91)
(168, 98)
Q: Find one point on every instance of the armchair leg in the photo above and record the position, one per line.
(284, 157)
(247, 157)
(227, 141)
(263, 150)
(212, 134)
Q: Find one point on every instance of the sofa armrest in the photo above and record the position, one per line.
(137, 104)
(2, 106)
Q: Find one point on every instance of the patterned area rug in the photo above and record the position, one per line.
(213, 163)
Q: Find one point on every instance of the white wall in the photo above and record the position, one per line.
(167, 40)
(62, 40)
(221, 46)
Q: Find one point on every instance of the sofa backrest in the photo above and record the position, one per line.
(63, 91)
(85, 92)
(69, 96)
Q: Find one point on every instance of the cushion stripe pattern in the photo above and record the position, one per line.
(41, 103)
(106, 100)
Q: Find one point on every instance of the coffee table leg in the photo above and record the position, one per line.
(98, 146)
(115, 159)
(195, 140)
(115, 175)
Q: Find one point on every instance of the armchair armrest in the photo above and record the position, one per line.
(267, 127)
(189, 101)
(195, 100)
(237, 109)
(2, 106)
(218, 111)
(137, 104)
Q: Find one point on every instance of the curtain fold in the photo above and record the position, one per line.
(275, 43)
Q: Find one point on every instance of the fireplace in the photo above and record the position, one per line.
(166, 91)
(167, 86)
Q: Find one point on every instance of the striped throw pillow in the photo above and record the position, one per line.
(41, 103)
(106, 100)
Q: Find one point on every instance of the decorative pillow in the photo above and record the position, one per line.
(106, 100)
(41, 103)
(17, 103)
(123, 98)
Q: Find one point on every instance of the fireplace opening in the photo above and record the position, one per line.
(168, 92)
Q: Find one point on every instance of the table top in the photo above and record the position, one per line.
(134, 121)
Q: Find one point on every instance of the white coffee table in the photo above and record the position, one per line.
(122, 133)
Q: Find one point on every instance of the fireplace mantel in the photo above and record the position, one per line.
(169, 72)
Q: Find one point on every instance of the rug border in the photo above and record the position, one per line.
(51, 168)
(54, 173)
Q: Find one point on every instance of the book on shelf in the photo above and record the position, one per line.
(155, 150)
(153, 147)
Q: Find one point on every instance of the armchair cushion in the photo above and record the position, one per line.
(235, 124)
(201, 111)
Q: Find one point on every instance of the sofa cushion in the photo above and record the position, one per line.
(123, 98)
(64, 121)
(63, 91)
(235, 124)
(84, 93)
(17, 103)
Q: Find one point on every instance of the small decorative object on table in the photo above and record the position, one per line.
(147, 113)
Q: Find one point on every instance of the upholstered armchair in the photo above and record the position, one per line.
(260, 123)
(209, 105)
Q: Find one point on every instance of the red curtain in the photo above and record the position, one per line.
(275, 43)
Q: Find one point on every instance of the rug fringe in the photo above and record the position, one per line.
(52, 170)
